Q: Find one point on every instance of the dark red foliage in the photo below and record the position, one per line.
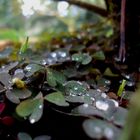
(2, 107)
(7, 120)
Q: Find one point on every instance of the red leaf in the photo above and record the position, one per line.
(2, 107)
(7, 120)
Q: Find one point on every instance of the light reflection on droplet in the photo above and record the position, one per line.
(130, 84)
(85, 105)
(53, 54)
(99, 90)
(40, 106)
(93, 99)
(43, 62)
(32, 121)
(75, 88)
(62, 54)
(103, 95)
(97, 130)
(108, 132)
(107, 82)
(102, 105)
(115, 102)
(18, 71)
(28, 68)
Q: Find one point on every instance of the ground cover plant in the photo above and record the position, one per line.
(73, 85)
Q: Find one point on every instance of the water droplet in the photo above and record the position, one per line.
(97, 130)
(32, 121)
(85, 105)
(102, 105)
(75, 88)
(43, 62)
(108, 82)
(62, 53)
(28, 68)
(93, 99)
(103, 95)
(130, 83)
(17, 71)
(40, 106)
(53, 54)
(108, 132)
(115, 102)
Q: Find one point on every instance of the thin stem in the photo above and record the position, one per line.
(122, 50)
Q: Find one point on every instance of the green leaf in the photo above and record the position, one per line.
(50, 78)
(86, 59)
(99, 129)
(32, 68)
(25, 108)
(54, 77)
(75, 88)
(37, 112)
(99, 55)
(109, 73)
(121, 88)
(56, 98)
(24, 46)
(78, 57)
(59, 77)
(23, 136)
(42, 137)
(21, 93)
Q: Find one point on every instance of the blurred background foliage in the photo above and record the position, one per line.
(49, 18)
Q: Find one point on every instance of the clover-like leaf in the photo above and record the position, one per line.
(12, 97)
(15, 95)
(50, 78)
(32, 68)
(109, 73)
(24, 136)
(78, 57)
(75, 88)
(119, 116)
(99, 55)
(56, 98)
(42, 137)
(5, 78)
(98, 129)
(79, 99)
(26, 107)
(54, 77)
(86, 59)
(37, 112)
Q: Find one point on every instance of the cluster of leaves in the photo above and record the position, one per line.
(66, 77)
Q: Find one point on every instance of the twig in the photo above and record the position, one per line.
(88, 6)
(122, 49)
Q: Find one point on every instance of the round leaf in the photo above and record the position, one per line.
(32, 68)
(98, 129)
(10, 96)
(24, 136)
(99, 55)
(86, 59)
(56, 98)
(37, 112)
(75, 88)
(42, 137)
(25, 108)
